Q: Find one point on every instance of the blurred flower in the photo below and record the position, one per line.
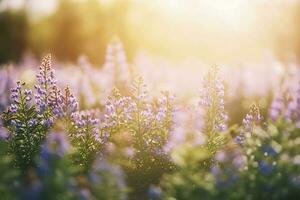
(264, 167)
(154, 192)
(212, 100)
(252, 119)
(7, 75)
(293, 108)
(3, 132)
(116, 67)
(55, 147)
(277, 108)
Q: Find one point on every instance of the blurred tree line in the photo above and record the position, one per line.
(75, 28)
(13, 34)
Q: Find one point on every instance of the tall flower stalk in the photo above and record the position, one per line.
(212, 102)
(46, 83)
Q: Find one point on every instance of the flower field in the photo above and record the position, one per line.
(88, 133)
(149, 100)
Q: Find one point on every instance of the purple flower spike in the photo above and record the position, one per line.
(46, 84)
(212, 101)
(252, 119)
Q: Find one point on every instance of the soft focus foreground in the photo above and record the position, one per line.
(144, 126)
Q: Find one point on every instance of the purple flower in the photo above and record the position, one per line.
(19, 97)
(55, 147)
(13, 108)
(269, 150)
(116, 66)
(252, 119)
(46, 84)
(87, 125)
(32, 122)
(117, 111)
(27, 94)
(292, 113)
(212, 101)
(62, 105)
(277, 108)
(14, 95)
(48, 122)
(265, 168)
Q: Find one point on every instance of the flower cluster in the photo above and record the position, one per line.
(86, 137)
(252, 119)
(62, 105)
(276, 108)
(151, 121)
(117, 112)
(55, 147)
(286, 105)
(27, 129)
(293, 108)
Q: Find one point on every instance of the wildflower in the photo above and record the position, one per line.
(117, 112)
(292, 113)
(212, 100)
(13, 108)
(62, 105)
(269, 150)
(20, 120)
(265, 168)
(46, 84)
(116, 65)
(86, 137)
(252, 119)
(276, 109)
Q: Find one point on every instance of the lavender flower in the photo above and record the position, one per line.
(25, 126)
(116, 65)
(117, 112)
(56, 101)
(292, 113)
(63, 106)
(151, 122)
(212, 100)
(86, 136)
(252, 119)
(46, 84)
(277, 108)
(19, 97)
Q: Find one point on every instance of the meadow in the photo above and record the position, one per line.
(78, 131)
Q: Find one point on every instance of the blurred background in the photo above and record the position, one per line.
(212, 31)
